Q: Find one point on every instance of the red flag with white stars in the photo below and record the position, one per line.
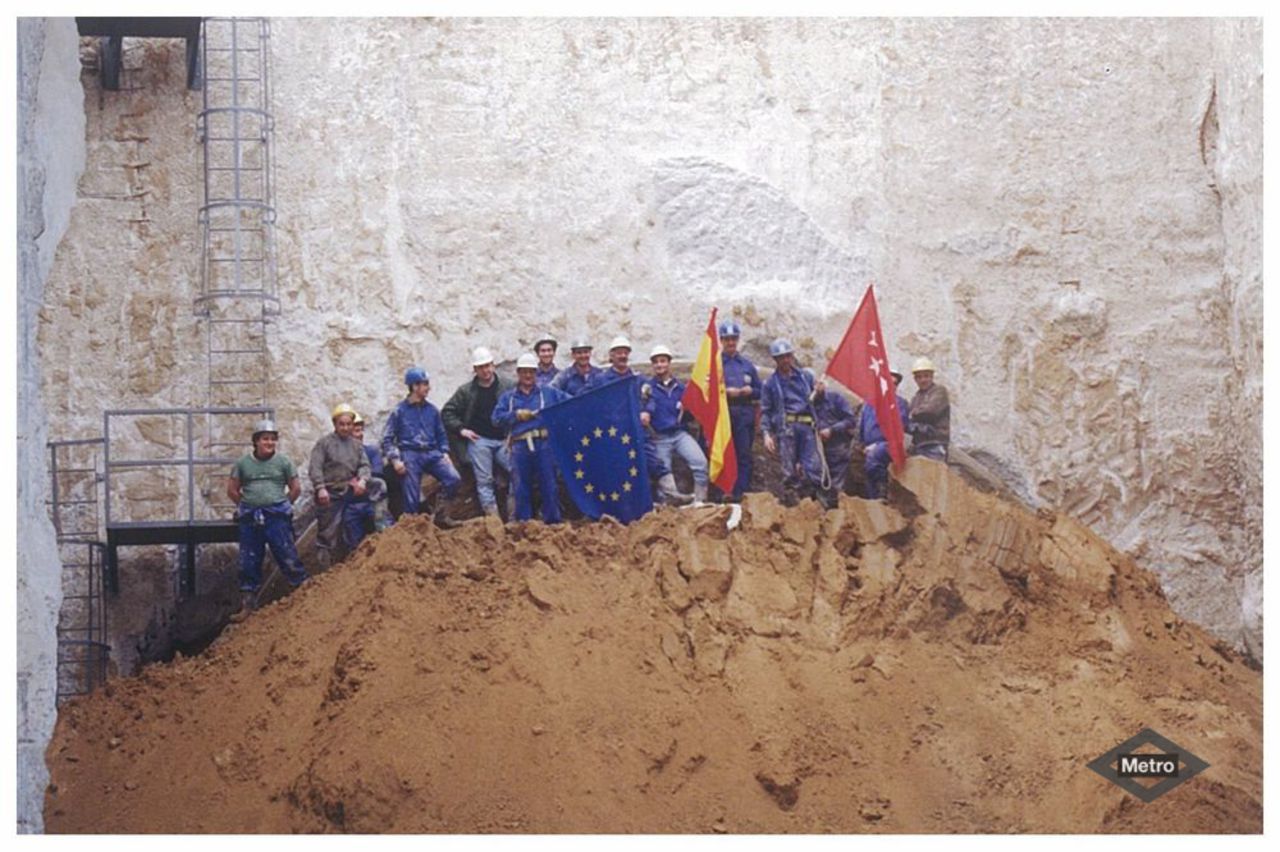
(861, 363)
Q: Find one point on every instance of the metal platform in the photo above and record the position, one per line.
(114, 31)
(185, 489)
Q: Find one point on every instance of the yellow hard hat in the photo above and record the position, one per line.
(341, 409)
(358, 419)
(923, 365)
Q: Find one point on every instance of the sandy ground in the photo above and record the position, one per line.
(945, 662)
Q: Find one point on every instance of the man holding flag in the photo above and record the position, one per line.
(742, 387)
(704, 398)
(861, 363)
(519, 410)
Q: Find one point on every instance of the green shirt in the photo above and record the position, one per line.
(263, 483)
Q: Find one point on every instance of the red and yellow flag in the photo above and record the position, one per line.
(705, 399)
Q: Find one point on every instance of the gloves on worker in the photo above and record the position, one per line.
(523, 414)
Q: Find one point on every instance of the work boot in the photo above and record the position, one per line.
(246, 607)
(443, 519)
(699, 494)
(670, 493)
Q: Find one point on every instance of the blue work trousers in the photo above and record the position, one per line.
(263, 527)
(483, 453)
(358, 512)
(742, 422)
(530, 466)
(682, 444)
(798, 448)
(418, 462)
(931, 450)
(876, 467)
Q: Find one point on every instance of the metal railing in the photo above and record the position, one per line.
(187, 509)
(75, 477)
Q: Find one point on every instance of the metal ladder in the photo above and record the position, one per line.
(238, 288)
(75, 474)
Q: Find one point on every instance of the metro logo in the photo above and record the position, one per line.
(1148, 766)
(1159, 771)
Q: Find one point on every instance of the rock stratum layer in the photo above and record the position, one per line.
(945, 662)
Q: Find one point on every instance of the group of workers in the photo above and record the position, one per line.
(496, 425)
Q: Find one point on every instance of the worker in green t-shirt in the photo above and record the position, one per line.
(264, 485)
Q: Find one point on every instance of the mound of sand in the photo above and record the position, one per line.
(944, 662)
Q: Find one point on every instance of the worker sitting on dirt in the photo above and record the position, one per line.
(369, 510)
(574, 379)
(788, 423)
(519, 412)
(545, 348)
(264, 485)
(875, 448)
(468, 418)
(414, 442)
(835, 421)
(742, 387)
(663, 414)
(930, 414)
(339, 471)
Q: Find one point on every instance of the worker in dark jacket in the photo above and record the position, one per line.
(468, 418)
(930, 415)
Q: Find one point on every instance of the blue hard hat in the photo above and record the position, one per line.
(780, 347)
(413, 375)
(729, 328)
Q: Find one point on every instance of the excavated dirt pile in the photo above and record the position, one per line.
(946, 662)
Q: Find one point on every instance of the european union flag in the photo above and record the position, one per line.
(599, 447)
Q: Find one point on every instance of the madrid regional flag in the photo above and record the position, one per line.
(861, 364)
(705, 399)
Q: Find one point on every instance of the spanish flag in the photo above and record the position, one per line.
(704, 398)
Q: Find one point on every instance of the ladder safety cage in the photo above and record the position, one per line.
(239, 291)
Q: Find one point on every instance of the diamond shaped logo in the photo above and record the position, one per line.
(1148, 756)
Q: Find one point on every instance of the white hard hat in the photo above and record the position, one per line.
(620, 342)
(527, 361)
(659, 350)
(481, 356)
(923, 365)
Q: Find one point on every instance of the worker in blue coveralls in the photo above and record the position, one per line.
(663, 413)
(519, 410)
(619, 369)
(414, 442)
(742, 388)
(836, 424)
(369, 510)
(545, 348)
(264, 485)
(788, 425)
(574, 378)
(874, 446)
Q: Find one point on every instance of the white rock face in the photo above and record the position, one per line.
(1064, 215)
(50, 159)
